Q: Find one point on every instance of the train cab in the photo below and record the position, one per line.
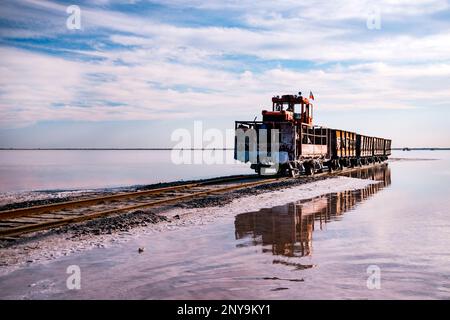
(283, 109)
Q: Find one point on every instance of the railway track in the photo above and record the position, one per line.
(16, 222)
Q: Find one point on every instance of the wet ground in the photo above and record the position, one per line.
(323, 247)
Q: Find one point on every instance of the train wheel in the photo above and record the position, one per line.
(319, 165)
(292, 170)
(335, 165)
(294, 173)
(309, 169)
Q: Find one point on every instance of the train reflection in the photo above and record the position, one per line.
(288, 229)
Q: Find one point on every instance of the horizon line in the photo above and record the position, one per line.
(193, 149)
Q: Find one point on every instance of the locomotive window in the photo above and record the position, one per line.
(306, 139)
(313, 135)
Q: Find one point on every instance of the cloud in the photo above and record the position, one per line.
(338, 9)
(132, 67)
(52, 88)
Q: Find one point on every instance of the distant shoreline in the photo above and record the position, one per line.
(193, 149)
(428, 148)
(120, 149)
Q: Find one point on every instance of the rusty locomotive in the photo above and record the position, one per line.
(286, 142)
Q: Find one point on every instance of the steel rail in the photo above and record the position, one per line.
(14, 231)
(14, 213)
(57, 220)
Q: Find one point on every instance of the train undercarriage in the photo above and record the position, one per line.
(312, 166)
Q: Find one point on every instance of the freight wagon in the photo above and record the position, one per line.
(287, 142)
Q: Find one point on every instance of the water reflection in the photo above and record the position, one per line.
(288, 229)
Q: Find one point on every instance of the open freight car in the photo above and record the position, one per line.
(287, 142)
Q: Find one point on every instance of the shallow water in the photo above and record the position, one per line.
(24, 170)
(316, 248)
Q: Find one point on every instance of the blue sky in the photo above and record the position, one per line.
(137, 70)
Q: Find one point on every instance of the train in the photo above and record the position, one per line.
(286, 142)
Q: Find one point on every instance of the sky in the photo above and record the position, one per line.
(135, 71)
